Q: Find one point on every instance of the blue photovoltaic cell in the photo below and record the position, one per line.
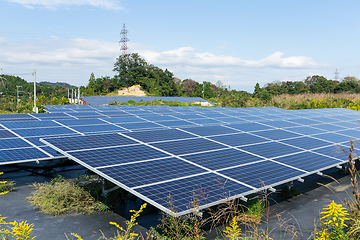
(205, 188)
(89, 142)
(308, 161)
(51, 131)
(6, 134)
(304, 121)
(114, 115)
(213, 115)
(306, 142)
(348, 124)
(15, 116)
(13, 143)
(251, 118)
(189, 117)
(177, 123)
(160, 118)
(86, 114)
(238, 139)
(231, 120)
(305, 130)
(55, 118)
(262, 173)
(248, 127)
(80, 122)
(277, 134)
(333, 137)
(188, 146)
(273, 117)
(30, 124)
(18, 119)
(118, 155)
(159, 135)
(35, 141)
(281, 124)
(210, 130)
(207, 121)
(328, 127)
(336, 151)
(139, 126)
(97, 128)
(21, 154)
(351, 133)
(225, 158)
(149, 172)
(48, 115)
(125, 120)
(270, 149)
(324, 119)
(51, 151)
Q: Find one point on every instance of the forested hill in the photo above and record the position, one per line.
(131, 69)
(57, 84)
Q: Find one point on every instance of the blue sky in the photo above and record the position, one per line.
(238, 42)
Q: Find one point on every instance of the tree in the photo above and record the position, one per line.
(257, 90)
(189, 86)
(131, 69)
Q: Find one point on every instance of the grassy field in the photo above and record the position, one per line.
(308, 101)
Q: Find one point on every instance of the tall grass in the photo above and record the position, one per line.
(308, 101)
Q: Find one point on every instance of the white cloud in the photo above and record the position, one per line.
(73, 60)
(188, 56)
(55, 4)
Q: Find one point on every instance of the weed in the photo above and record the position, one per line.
(233, 231)
(62, 196)
(19, 230)
(6, 186)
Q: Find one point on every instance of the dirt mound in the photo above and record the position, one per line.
(132, 91)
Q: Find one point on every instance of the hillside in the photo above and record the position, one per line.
(57, 84)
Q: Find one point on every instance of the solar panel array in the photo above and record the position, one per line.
(157, 151)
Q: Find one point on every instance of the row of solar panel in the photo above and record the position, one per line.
(30, 131)
(183, 160)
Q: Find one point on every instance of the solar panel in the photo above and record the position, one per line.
(149, 172)
(159, 135)
(22, 155)
(205, 188)
(30, 124)
(156, 156)
(238, 139)
(277, 134)
(210, 130)
(187, 146)
(227, 157)
(254, 174)
(306, 142)
(308, 161)
(270, 149)
(248, 127)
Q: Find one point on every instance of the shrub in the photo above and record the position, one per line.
(62, 196)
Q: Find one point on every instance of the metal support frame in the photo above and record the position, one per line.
(290, 185)
(106, 191)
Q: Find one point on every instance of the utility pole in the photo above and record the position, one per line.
(203, 92)
(78, 96)
(72, 95)
(17, 94)
(35, 109)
